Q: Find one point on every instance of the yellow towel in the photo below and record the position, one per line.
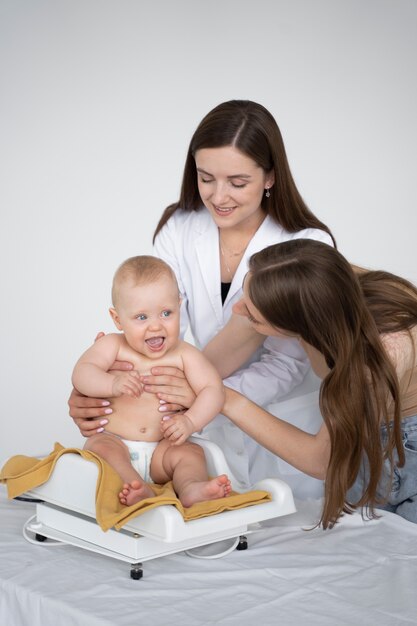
(22, 473)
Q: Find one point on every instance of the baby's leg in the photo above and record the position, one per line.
(115, 452)
(186, 466)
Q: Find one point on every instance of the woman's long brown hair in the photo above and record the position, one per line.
(308, 288)
(250, 128)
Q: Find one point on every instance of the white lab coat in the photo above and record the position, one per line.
(189, 243)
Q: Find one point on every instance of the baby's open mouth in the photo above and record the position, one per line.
(155, 343)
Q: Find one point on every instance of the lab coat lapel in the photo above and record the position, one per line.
(207, 251)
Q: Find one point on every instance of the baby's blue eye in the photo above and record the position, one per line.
(141, 317)
(166, 313)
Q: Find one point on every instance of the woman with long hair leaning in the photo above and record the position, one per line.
(359, 329)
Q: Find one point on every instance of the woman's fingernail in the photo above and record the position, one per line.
(165, 418)
(103, 422)
(163, 408)
(162, 402)
(100, 430)
(108, 411)
(105, 403)
(144, 379)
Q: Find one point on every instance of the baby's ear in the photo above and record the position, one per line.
(115, 318)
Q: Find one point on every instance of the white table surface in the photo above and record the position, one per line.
(358, 573)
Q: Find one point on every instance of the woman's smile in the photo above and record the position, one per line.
(229, 180)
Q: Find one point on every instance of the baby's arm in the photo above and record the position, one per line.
(90, 375)
(207, 385)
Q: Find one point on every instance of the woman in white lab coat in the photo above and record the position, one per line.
(237, 197)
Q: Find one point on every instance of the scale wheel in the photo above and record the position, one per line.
(136, 571)
(243, 543)
(39, 537)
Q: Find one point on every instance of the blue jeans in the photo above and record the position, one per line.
(400, 495)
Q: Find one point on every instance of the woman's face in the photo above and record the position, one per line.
(247, 309)
(231, 186)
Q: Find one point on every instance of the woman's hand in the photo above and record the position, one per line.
(88, 413)
(171, 387)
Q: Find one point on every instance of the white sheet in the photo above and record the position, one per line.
(358, 573)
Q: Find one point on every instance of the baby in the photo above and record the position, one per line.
(146, 308)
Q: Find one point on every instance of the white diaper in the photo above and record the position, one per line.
(141, 453)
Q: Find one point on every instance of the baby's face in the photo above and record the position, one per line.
(149, 316)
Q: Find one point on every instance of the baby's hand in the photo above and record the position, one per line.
(127, 384)
(177, 428)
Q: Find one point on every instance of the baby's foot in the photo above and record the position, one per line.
(135, 492)
(218, 487)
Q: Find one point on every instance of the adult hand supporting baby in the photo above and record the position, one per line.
(168, 383)
(89, 414)
(171, 387)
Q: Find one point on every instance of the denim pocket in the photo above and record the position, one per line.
(410, 440)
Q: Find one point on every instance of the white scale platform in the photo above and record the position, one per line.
(67, 514)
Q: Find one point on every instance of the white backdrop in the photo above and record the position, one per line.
(99, 100)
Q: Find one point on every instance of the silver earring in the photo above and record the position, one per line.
(267, 192)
